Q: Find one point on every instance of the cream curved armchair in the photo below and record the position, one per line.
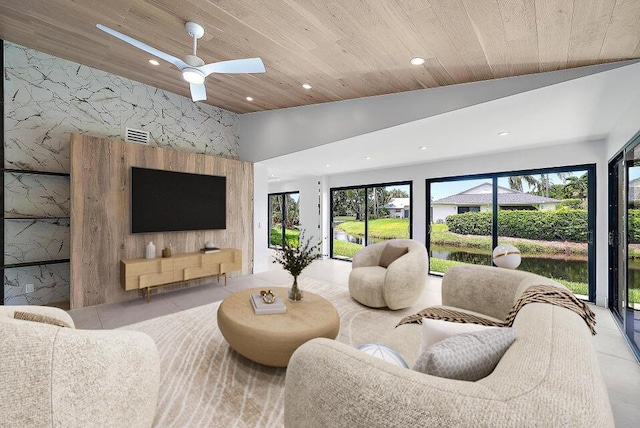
(399, 285)
(55, 376)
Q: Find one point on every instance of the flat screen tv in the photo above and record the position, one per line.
(166, 201)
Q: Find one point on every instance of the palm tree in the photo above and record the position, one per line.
(577, 187)
(516, 181)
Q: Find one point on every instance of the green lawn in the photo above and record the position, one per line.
(344, 248)
(292, 236)
(381, 228)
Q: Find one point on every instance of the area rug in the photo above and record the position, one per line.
(204, 383)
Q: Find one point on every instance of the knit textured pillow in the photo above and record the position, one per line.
(390, 254)
(434, 331)
(28, 316)
(467, 356)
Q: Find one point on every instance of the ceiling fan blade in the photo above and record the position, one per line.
(138, 44)
(248, 65)
(198, 92)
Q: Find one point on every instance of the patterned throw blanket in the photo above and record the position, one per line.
(534, 294)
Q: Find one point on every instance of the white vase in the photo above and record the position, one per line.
(151, 251)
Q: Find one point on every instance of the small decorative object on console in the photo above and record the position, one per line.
(166, 252)
(506, 256)
(295, 259)
(151, 251)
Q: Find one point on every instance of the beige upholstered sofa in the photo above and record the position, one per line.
(54, 376)
(399, 285)
(549, 377)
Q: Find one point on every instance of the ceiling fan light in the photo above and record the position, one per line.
(192, 75)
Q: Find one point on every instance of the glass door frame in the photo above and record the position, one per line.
(620, 230)
(616, 231)
(366, 188)
(493, 176)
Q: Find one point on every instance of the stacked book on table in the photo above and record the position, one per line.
(262, 308)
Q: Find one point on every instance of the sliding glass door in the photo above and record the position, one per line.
(624, 242)
(364, 215)
(547, 214)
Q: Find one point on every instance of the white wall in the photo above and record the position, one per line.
(440, 212)
(269, 134)
(260, 218)
(310, 197)
(591, 152)
(627, 126)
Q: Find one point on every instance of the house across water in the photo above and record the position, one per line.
(480, 198)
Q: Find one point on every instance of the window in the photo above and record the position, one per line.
(462, 210)
(547, 214)
(363, 215)
(284, 219)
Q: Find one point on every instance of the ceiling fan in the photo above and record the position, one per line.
(193, 68)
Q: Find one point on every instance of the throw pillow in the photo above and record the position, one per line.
(28, 316)
(390, 254)
(383, 352)
(468, 356)
(434, 331)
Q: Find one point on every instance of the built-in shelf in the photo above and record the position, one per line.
(26, 171)
(36, 263)
(40, 263)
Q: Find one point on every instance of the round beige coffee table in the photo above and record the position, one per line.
(272, 339)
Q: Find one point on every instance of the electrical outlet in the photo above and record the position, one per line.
(29, 288)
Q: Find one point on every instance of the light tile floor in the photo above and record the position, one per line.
(619, 367)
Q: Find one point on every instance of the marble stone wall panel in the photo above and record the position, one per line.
(36, 240)
(51, 284)
(177, 122)
(31, 195)
(48, 98)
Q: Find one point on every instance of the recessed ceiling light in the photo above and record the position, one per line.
(417, 61)
(154, 62)
(367, 158)
(327, 165)
(306, 86)
(249, 99)
(423, 147)
(503, 133)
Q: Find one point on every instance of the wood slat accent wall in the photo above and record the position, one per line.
(100, 210)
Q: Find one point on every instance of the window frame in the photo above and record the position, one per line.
(284, 214)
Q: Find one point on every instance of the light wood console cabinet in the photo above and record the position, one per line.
(148, 273)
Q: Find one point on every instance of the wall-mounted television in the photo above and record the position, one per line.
(166, 201)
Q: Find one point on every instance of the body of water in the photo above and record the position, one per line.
(574, 270)
(343, 236)
(569, 270)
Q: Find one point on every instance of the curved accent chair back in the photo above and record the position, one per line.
(397, 286)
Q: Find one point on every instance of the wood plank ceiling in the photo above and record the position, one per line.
(343, 48)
